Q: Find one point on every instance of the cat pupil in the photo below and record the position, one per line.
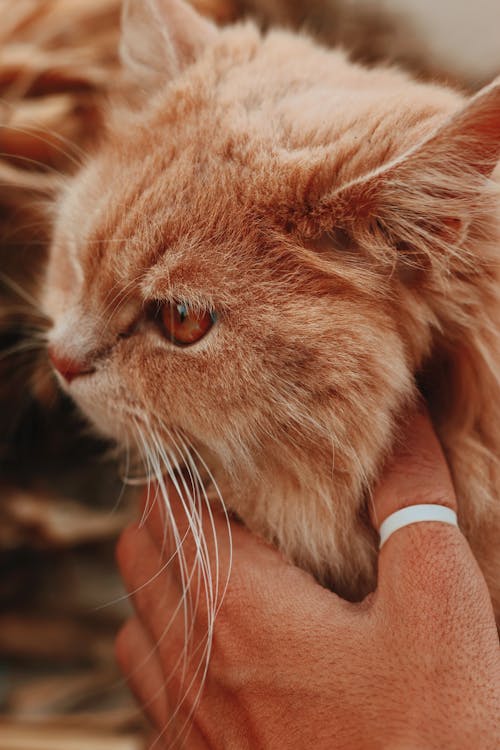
(182, 312)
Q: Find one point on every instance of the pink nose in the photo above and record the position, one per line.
(67, 367)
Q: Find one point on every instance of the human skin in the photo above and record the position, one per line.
(415, 665)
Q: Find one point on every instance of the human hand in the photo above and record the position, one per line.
(416, 665)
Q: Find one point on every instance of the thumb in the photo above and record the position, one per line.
(426, 568)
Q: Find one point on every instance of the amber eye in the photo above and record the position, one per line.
(184, 326)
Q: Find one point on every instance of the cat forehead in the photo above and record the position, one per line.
(250, 98)
(120, 235)
(257, 125)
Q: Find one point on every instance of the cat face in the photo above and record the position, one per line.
(274, 199)
(287, 342)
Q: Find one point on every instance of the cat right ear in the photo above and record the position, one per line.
(160, 38)
(433, 205)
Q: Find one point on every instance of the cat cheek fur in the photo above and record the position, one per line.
(348, 220)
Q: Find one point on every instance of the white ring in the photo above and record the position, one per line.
(415, 514)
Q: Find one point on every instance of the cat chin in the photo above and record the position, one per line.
(318, 524)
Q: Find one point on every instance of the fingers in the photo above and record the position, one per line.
(424, 568)
(230, 566)
(416, 473)
(137, 657)
(180, 520)
(208, 543)
(152, 587)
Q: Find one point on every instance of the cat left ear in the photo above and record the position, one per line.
(161, 37)
(429, 198)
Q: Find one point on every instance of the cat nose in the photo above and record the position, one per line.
(68, 367)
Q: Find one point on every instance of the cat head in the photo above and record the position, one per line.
(268, 246)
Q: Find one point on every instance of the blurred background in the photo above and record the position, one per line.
(62, 498)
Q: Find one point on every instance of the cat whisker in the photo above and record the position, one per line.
(191, 517)
(149, 459)
(124, 484)
(220, 498)
(26, 334)
(19, 228)
(107, 241)
(213, 600)
(22, 316)
(143, 479)
(49, 141)
(20, 292)
(150, 474)
(22, 348)
(203, 663)
(199, 559)
(121, 297)
(142, 445)
(35, 163)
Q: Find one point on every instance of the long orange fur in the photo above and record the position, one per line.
(343, 223)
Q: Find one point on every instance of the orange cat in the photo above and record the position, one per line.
(266, 259)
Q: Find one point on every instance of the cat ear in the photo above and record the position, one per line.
(161, 37)
(429, 198)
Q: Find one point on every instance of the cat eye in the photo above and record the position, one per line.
(184, 326)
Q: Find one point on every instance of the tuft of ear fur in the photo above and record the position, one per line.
(436, 208)
(470, 137)
(160, 38)
(420, 208)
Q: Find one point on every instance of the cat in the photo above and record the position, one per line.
(271, 254)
